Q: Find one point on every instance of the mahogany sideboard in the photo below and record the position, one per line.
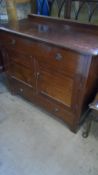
(52, 63)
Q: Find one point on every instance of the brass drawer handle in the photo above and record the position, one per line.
(58, 57)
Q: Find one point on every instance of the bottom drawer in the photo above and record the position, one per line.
(56, 110)
(20, 88)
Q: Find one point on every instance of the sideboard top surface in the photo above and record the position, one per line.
(65, 33)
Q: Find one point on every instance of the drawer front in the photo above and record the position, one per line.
(59, 60)
(12, 41)
(48, 55)
(21, 58)
(21, 73)
(55, 109)
(24, 45)
(20, 88)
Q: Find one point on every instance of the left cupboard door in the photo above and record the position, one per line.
(20, 69)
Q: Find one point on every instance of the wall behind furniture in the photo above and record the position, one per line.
(22, 10)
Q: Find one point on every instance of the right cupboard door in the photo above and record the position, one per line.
(56, 86)
(56, 74)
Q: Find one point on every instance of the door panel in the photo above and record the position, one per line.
(23, 59)
(20, 66)
(21, 73)
(54, 85)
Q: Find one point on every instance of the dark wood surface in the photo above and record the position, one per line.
(64, 33)
(1, 63)
(56, 68)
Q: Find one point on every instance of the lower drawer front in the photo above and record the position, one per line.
(56, 110)
(20, 88)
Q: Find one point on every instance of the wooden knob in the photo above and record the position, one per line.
(31, 56)
(21, 90)
(38, 74)
(58, 57)
(56, 110)
(13, 42)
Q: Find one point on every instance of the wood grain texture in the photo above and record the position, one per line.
(62, 33)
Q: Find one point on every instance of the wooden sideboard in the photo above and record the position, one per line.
(52, 63)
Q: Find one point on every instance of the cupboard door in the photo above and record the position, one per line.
(21, 58)
(20, 66)
(21, 73)
(56, 75)
(56, 86)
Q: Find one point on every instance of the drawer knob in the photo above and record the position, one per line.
(31, 56)
(21, 90)
(38, 74)
(49, 49)
(13, 42)
(58, 57)
(56, 110)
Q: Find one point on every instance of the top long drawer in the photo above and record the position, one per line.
(12, 41)
(55, 57)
